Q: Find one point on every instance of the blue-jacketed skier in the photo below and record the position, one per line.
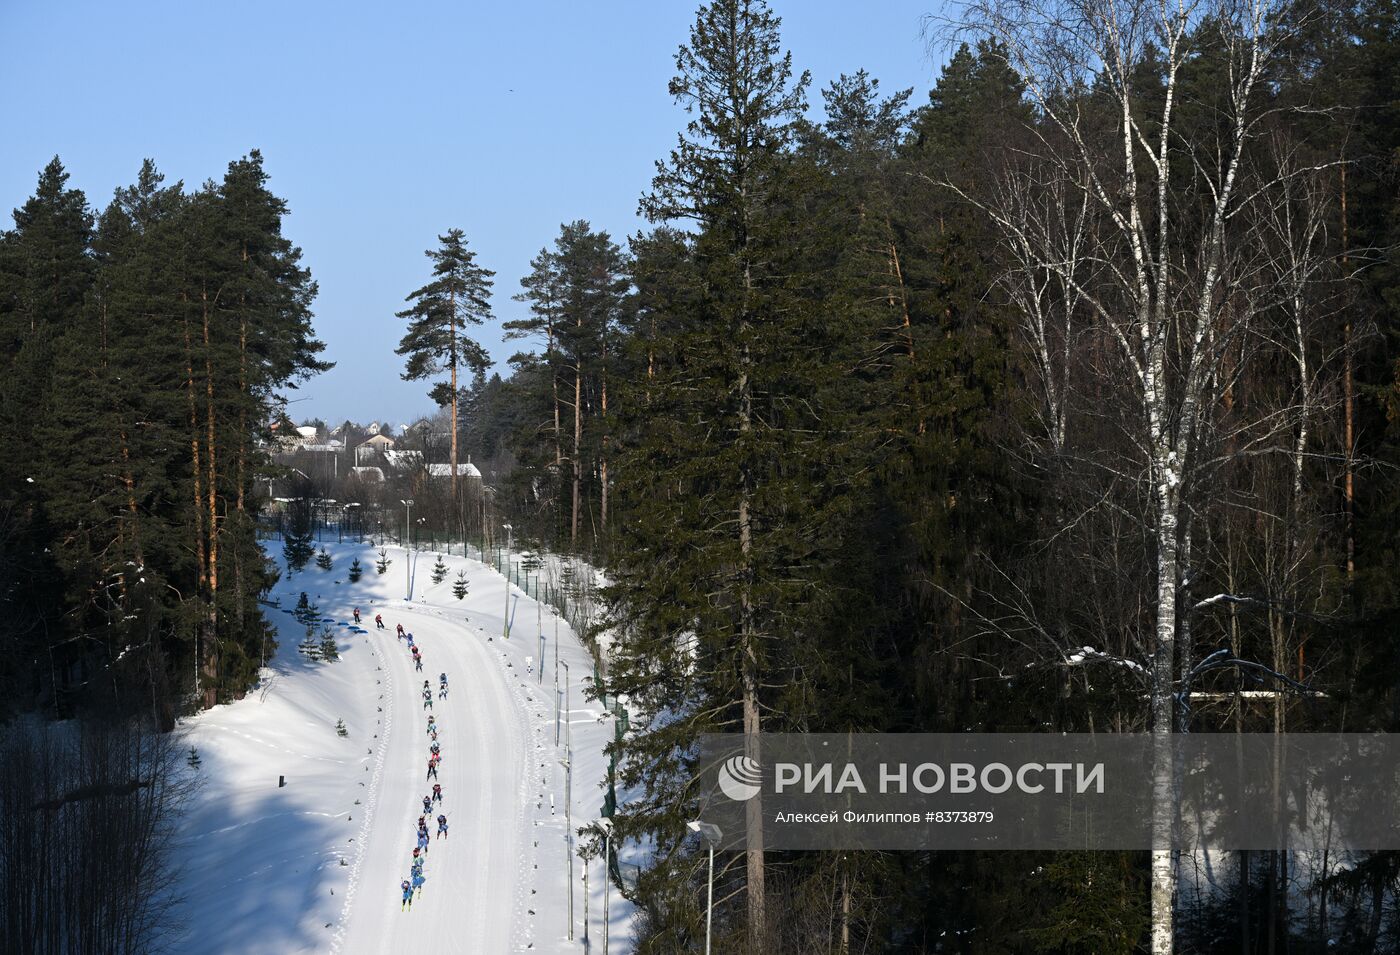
(407, 895)
(442, 827)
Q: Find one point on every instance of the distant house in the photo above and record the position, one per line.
(373, 447)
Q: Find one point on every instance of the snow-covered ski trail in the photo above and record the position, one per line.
(470, 884)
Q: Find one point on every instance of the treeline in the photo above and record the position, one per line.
(895, 412)
(142, 349)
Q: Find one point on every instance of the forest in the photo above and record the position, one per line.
(1067, 400)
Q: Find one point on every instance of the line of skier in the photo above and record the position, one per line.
(413, 885)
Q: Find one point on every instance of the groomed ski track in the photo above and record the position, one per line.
(316, 866)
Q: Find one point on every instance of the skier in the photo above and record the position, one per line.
(407, 896)
(437, 792)
(432, 724)
(442, 827)
(379, 621)
(432, 769)
(423, 841)
(418, 879)
(428, 702)
(427, 805)
(442, 685)
(434, 748)
(400, 631)
(357, 616)
(419, 662)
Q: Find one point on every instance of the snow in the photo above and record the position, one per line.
(315, 865)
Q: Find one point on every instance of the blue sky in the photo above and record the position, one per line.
(384, 125)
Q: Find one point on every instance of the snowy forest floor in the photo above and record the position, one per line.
(315, 865)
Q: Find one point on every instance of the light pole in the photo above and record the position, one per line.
(407, 555)
(556, 693)
(568, 764)
(505, 621)
(605, 824)
(712, 835)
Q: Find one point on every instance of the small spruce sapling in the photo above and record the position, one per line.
(439, 571)
(459, 589)
(193, 758)
(323, 560)
(383, 565)
(355, 571)
(340, 729)
(310, 646)
(329, 650)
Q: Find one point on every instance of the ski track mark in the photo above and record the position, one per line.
(370, 805)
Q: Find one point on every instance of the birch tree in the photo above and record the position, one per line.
(1131, 215)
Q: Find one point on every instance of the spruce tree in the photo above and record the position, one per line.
(297, 545)
(459, 586)
(323, 560)
(725, 472)
(439, 571)
(355, 571)
(382, 565)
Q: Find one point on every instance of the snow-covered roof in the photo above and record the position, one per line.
(445, 470)
(404, 460)
(368, 474)
(307, 431)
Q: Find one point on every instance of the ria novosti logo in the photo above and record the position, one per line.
(740, 777)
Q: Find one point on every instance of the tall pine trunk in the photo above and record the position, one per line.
(196, 473)
(578, 440)
(452, 331)
(603, 455)
(211, 646)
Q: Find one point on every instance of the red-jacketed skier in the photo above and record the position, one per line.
(357, 616)
(379, 621)
(437, 792)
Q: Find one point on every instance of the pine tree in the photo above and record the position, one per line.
(329, 649)
(382, 566)
(459, 587)
(355, 571)
(323, 559)
(439, 571)
(458, 296)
